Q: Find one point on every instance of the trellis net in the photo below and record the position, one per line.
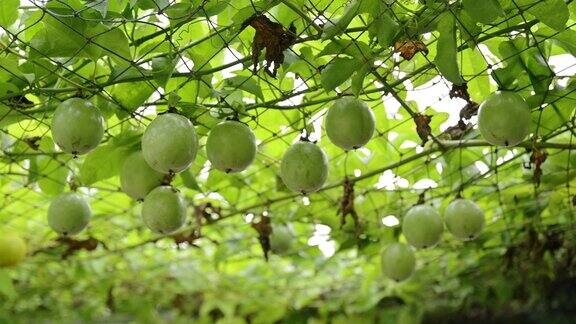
(423, 68)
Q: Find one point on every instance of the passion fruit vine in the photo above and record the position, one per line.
(164, 210)
(464, 219)
(12, 249)
(77, 126)
(504, 119)
(304, 167)
(231, 146)
(422, 226)
(398, 261)
(68, 214)
(349, 123)
(137, 178)
(170, 144)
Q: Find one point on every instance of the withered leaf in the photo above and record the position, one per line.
(537, 158)
(72, 245)
(264, 229)
(460, 91)
(409, 47)
(423, 126)
(471, 109)
(347, 206)
(271, 36)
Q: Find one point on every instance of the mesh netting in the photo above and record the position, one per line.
(422, 67)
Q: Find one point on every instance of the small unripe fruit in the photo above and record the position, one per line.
(281, 239)
(398, 261)
(164, 210)
(12, 249)
(170, 144)
(68, 213)
(304, 167)
(231, 146)
(77, 126)
(137, 178)
(349, 123)
(464, 219)
(504, 119)
(422, 226)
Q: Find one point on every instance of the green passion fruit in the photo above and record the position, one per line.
(464, 219)
(170, 144)
(137, 178)
(398, 261)
(281, 239)
(77, 126)
(422, 226)
(304, 167)
(68, 213)
(12, 249)
(164, 210)
(231, 146)
(349, 123)
(504, 119)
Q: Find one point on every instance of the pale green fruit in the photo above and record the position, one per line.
(504, 119)
(398, 261)
(304, 167)
(422, 226)
(349, 123)
(231, 146)
(281, 239)
(170, 144)
(69, 213)
(77, 126)
(464, 219)
(164, 210)
(137, 178)
(12, 249)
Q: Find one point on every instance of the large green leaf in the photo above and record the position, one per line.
(8, 12)
(446, 59)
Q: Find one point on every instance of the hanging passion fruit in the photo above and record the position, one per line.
(504, 119)
(164, 210)
(170, 144)
(304, 167)
(77, 126)
(137, 178)
(231, 146)
(12, 249)
(398, 261)
(464, 219)
(68, 213)
(349, 123)
(422, 226)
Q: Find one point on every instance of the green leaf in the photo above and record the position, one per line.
(338, 71)
(245, 83)
(337, 28)
(385, 29)
(52, 175)
(485, 11)
(102, 163)
(8, 12)
(162, 68)
(131, 95)
(189, 180)
(110, 42)
(565, 39)
(553, 13)
(446, 58)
